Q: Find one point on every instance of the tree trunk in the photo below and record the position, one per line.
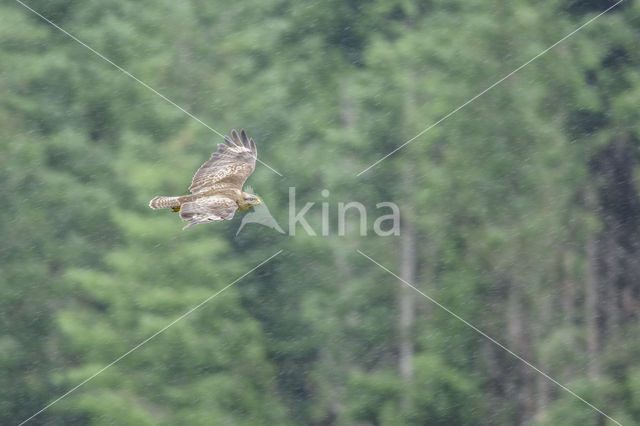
(519, 338)
(405, 301)
(568, 289)
(544, 389)
(612, 296)
(591, 313)
(408, 249)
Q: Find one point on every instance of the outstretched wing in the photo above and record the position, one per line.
(208, 209)
(230, 165)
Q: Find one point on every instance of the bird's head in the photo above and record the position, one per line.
(250, 199)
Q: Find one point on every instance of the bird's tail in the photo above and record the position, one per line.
(165, 203)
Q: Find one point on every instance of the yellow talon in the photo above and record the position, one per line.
(175, 209)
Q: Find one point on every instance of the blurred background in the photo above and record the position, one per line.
(520, 213)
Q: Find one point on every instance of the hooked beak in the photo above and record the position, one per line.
(255, 203)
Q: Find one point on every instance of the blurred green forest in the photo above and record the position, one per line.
(520, 213)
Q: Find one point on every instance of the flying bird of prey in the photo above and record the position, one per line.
(216, 189)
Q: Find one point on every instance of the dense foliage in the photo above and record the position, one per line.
(520, 213)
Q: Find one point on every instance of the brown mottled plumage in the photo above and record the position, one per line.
(216, 189)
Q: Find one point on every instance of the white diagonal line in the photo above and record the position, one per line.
(492, 86)
(135, 78)
(149, 338)
(482, 333)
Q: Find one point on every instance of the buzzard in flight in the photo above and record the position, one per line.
(216, 189)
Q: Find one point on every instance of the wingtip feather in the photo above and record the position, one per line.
(245, 139)
(236, 138)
